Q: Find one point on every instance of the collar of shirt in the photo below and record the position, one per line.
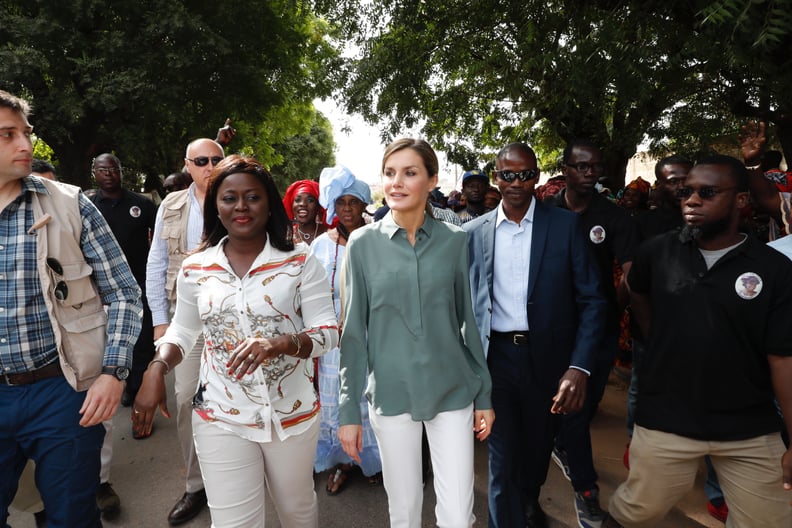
(32, 184)
(100, 197)
(215, 255)
(528, 217)
(596, 203)
(390, 227)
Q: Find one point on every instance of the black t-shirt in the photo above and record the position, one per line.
(705, 373)
(131, 219)
(612, 236)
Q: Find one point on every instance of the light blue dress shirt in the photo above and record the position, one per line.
(510, 271)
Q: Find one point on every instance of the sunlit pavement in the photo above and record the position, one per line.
(148, 476)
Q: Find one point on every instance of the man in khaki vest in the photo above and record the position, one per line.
(59, 267)
(177, 231)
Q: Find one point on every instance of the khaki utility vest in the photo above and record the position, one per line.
(79, 322)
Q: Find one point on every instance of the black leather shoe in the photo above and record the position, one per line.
(535, 517)
(188, 507)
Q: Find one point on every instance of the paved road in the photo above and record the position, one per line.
(148, 476)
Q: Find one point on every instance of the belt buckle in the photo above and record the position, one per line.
(517, 339)
(7, 381)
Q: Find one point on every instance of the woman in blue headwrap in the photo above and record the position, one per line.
(345, 198)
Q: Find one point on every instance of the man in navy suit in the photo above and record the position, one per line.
(540, 311)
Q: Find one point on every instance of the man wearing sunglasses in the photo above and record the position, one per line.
(716, 307)
(540, 313)
(611, 235)
(177, 231)
(59, 267)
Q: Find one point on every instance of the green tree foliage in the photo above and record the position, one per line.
(476, 75)
(749, 43)
(144, 78)
(305, 155)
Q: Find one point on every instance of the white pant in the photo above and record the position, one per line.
(450, 437)
(238, 471)
(186, 383)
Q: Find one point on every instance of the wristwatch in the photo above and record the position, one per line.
(120, 373)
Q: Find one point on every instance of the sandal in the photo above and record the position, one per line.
(338, 479)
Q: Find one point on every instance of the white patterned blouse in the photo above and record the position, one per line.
(282, 293)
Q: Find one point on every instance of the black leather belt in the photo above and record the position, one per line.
(516, 338)
(25, 378)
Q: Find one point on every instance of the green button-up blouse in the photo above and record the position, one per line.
(408, 322)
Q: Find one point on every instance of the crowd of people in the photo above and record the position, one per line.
(308, 334)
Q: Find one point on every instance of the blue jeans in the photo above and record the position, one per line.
(40, 421)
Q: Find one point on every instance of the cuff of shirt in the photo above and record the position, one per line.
(581, 370)
(159, 318)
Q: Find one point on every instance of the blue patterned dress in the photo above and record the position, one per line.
(329, 452)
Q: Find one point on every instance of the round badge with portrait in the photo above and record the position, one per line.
(748, 285)
(597, 234)
(134, 211)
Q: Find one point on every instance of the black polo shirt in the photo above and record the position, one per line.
(612, 235)
(705, 373)
(131, 219)
(657, 221)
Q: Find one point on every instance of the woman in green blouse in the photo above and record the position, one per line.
(409, 320)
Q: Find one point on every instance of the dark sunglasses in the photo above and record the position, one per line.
(509, 176)
(61, 289)
(202, 161)
(705, 193)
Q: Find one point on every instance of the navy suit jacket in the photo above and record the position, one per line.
(566, 307)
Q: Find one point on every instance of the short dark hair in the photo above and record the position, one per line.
(675, 159)
(737, 170)
(41, 166)
(577, 143)
(278, 225)
(516, 146)
(107, 155)
(14, 103)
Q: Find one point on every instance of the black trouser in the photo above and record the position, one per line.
(143, 352)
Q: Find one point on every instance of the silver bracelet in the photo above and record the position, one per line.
(160, 360)
(753, 167)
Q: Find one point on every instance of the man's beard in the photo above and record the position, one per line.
(706, 231)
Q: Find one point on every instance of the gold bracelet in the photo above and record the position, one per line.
(160, 360)
(296, 340)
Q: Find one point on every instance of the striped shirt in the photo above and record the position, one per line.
(27, 341)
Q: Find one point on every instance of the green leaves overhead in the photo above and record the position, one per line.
(476, 75)
(144, 78)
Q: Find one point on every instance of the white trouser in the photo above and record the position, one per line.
(450, 436)
(238, 471)
(186, 383)
(107, 452)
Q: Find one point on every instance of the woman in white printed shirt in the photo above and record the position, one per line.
(265, 308)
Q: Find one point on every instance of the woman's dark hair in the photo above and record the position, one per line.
(278, 225)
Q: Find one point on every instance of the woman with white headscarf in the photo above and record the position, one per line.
(345, 198)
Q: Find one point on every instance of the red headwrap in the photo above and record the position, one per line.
(640, 185)
(303, 187)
